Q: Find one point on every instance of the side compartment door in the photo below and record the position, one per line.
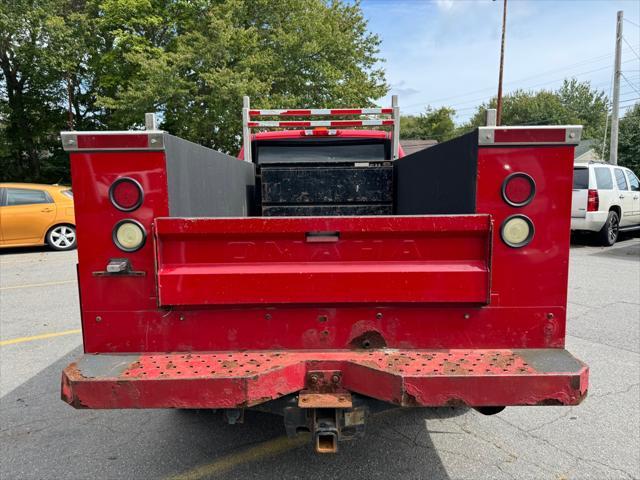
(625, 196)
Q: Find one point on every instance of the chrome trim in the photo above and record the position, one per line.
(69, 141)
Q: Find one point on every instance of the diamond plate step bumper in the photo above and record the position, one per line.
(401, 377)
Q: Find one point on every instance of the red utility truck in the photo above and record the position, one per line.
(323, 275)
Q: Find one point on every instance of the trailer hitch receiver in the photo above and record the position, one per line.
(325, 430)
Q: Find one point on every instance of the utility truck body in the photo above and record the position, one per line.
(323, 275)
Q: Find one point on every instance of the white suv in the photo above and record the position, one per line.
(606, 200)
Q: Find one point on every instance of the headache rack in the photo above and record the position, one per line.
(387, 117)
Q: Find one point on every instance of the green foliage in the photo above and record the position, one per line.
(110, 61)
(629, 139)
(433, 124)
(574, 103)
(30, 90)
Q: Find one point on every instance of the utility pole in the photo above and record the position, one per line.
(504, 28)
(613, 149)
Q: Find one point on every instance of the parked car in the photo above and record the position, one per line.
(606, 200)
(33, 214)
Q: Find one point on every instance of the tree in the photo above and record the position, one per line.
(573, 103)
(585, 106)
(629, 139)
(102, 64)
(289, 53)
(46, 83)
(30, 88)
(433, 124)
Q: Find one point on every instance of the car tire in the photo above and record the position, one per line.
(608, 235)
(62, 237)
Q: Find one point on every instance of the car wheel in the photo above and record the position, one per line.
(62, 237)
(609, 233)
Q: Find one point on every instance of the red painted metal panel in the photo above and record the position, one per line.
(227, 328)
(93, 173)
(528, 286)
(337, 282)
(441, 259)
(402, 377)
(537, 274)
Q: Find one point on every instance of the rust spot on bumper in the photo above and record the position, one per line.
(324, 400)
(403, 377)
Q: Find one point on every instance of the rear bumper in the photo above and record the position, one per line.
(400, 377)
(592, 221)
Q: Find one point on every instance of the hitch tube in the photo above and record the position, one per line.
(325, 430)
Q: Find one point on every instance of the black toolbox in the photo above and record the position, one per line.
(321, 189)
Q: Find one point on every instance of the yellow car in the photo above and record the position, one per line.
(33, 214)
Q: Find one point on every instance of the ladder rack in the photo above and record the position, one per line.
(248, 122)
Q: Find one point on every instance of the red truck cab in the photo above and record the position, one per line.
(326, 275)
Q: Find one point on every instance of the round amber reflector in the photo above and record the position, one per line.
(517, 231)
(518, 189)
(129, 235)
(126, 194)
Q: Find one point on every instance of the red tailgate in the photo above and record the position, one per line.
(240, 261)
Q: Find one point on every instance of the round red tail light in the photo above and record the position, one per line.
(518, 189)
(126, 194)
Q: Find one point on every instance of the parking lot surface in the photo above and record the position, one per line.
(43, 438)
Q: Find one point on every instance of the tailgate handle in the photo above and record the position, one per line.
(322, 237)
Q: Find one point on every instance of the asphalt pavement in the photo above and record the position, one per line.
(43, 438)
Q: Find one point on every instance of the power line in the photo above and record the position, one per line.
(542, 74)
(631, 22)
(535, 85)
(484, 98)
(632, 49)
(568, 67)
(630, 84)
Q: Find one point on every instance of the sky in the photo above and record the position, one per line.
(447, 52)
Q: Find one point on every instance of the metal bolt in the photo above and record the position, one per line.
(572, 135)
(71, 141)
(153, 140)
(325, 332)
(304, 400)
(313, 378)
(322, 318)
(379, 315)
(335, 378)
(267, 316)
(550, 316)
(341, 399)
(98, 318)
(466, 316)
(181, 318)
